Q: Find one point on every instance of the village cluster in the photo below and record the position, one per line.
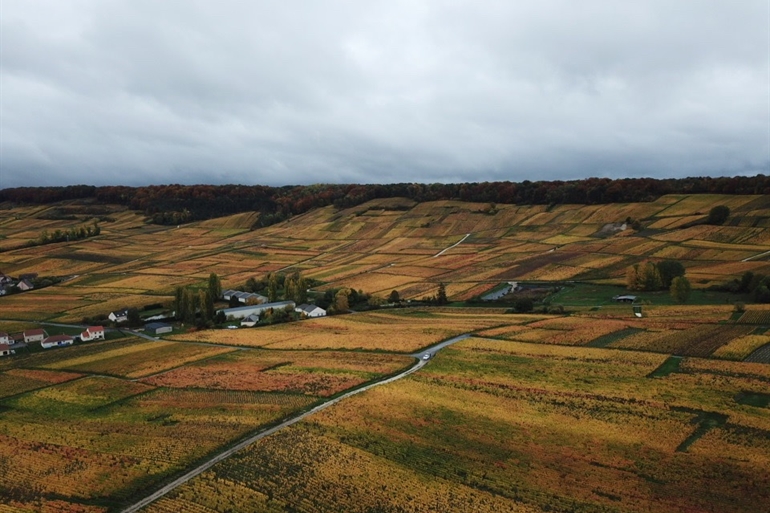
(248, 315)
(10, 284)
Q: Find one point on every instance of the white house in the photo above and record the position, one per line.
(25, 285)
(310, 311)
(119, 315)
(92, 333)
(250, 321)
(4, 338)
(36, 335)
(57, 341)
(244, 311)
(5, 350)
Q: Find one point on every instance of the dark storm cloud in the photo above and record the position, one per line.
(140, 91)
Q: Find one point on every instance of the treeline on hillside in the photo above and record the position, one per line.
(173, 204)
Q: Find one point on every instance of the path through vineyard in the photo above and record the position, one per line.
(286, 423)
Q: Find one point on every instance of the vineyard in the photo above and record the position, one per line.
(404, 331)
(312, 373)
(495, 425)
(584, 410)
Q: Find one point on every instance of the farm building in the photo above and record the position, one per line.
(36, 335)
(158, 328)
(243, 297)
(625, 299)
(119, 315)
(4, 338)
(5, 280)
(5, 350)
(244, 311)
(25, 285)
(310, 311)
(57, 341)
(92, 333)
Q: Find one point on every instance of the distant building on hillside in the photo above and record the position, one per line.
(5, 350)
(25, 285)
(625, 299)
(4, 338)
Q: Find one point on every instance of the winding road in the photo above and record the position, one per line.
(432, 350)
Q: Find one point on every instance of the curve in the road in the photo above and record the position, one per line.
(432, 350)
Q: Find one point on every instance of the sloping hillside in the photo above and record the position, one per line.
(380, 246)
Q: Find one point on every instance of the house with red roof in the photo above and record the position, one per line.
(5, 350)
(36, 335)
(57, 341)
(92, 333)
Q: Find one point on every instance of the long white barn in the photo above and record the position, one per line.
(244, 311)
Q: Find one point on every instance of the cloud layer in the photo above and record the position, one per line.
(185, 91)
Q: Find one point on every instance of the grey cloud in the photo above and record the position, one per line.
(140, 91)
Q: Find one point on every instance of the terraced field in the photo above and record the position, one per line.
(377, 249)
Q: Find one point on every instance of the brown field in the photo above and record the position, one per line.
(314, 373)
(405, 331)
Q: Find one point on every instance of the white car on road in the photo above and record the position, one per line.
(426, 356)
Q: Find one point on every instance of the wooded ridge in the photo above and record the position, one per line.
(174, 204)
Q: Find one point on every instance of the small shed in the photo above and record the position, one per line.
(625, 299)
(25, 285)
(5, 350)
(158, 328)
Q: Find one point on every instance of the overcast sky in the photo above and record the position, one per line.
(296, 92)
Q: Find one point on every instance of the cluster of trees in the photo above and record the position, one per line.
(439, 298)
(195, 305)
(82, 232)
(275, 286)
(755, 284)
(174, 204)
(341, 300)
(664, 275)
